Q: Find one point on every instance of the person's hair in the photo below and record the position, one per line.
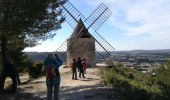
(74, 59)
(79, 58)
(56, 55)
(50, 55)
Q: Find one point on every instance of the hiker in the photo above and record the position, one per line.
(74, 69)
(10, 70)
(80, 66)
(84, 65)
(52, 65)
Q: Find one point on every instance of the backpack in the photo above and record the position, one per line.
(73, 65)
(50, 71)
(84, 65)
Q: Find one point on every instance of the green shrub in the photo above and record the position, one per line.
(163, 79)
(130, 83)
(36, 70)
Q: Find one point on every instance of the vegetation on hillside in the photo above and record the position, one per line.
(134, 85)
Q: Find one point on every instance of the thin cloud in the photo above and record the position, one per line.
(134, 24)
(148, 15)
(149, 18)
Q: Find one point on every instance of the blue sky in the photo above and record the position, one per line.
(134, 24)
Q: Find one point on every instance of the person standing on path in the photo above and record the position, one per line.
(52, 65)
(11, 71)
(80, 66)
(84, 65)
(74, 69)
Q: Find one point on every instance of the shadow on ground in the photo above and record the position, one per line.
(7, 95)
(97, 92)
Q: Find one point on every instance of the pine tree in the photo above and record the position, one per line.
(24, 22)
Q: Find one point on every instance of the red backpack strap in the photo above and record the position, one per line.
(72, 65)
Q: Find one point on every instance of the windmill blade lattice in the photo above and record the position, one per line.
(98, 17)
(95, 20)
(102, 46)
(61, 50)
(71, 14)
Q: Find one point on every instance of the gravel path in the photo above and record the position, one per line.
(88, 88)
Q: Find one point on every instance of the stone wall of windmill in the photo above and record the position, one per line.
(84, 48)
(81, 46)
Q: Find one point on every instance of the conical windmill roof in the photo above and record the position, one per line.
(80, 28)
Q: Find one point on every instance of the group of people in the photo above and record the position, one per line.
(79, 64)
(52, 64)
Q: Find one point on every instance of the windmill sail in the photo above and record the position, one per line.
(71, 14)
(98, 17)
(94, 21)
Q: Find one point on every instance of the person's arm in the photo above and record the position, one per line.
(59, 62)
(57, 57)
(45, 64)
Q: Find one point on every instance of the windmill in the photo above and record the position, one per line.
(86, 28)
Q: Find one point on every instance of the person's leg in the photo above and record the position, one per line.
(73, 74)
(84, 70)
(56, 92)
(49, 89)
(18, 79)
(2, 81)
(80, 73)
(14, 83)
(83, 73)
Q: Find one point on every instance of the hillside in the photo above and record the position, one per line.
(40, 56)
(160, 51)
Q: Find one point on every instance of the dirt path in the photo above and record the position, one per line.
(88, 88)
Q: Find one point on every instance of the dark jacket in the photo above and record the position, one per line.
(10, 69)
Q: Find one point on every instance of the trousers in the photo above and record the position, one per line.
(52, 90)
(74, 73)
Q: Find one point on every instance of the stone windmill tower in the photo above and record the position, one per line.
(81, 45)
(85, 41)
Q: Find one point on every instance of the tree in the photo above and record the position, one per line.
(27, 21)
(163, 78)
(163, 74)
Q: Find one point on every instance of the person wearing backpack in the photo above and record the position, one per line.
(52, 65)
(74, 69)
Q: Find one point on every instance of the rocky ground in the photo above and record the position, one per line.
(89, 88)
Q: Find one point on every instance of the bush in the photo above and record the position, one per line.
(130, 83)
(163, 79)
(36, 70)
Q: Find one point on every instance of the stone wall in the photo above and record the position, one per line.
(81, 47)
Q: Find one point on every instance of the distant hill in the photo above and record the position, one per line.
(40, 56)
(161, 51)
(37, 56)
